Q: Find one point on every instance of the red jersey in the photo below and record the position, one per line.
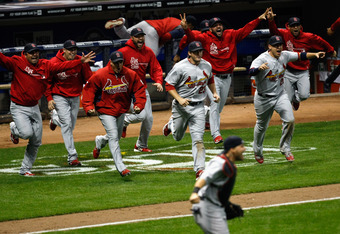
(30, 81)
(142, 61)
(68, 83)
(165, 25)
(222, 52)
(335, 25)
(184, 41)
(305, 42)
(111, 93)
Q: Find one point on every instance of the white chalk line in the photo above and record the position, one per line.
(180, 216)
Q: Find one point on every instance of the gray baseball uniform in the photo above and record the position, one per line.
(269, 96)
(219, 177)
(190, 82)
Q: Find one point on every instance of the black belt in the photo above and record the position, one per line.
(266, 95)
(190, 103)
(223, 76)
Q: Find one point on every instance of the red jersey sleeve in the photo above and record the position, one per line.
(336, 25)
(89, 92)
(7, 62)
(138, 90)
(246, 30)
(156, 72)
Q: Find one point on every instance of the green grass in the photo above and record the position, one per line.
(319, 217)
(47, 195)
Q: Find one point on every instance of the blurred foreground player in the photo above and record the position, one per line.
(210, 197)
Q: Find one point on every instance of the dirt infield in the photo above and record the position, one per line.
(164, 210)
(233, 116)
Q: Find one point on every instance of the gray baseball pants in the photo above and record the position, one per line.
(194, 117)
(28, 125)
(146, 117)
(113, 127)
(210, 217)
(297, 85)
(222, 88)
(264, 108)
(65, 116)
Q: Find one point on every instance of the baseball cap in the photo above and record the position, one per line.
(275, 40)
(232, 142)
(204, 25)
(116, 56)
(191, 19)
(214, 20)
(194, 46)
(294, 20)
(70, 44)
(137, 31)
(30, 47)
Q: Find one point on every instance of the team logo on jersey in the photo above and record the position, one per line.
(134, 63)
(64, 76)
(275, 77)
(194, 83)
(118, 88)
(213, 49)
(30, 72)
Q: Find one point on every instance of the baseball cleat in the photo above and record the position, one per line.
(218, 139)
(199, 173)
(75, 163)
(52, 125)
(166, 130)
(295, 105)
(14, 139)
(27, 173)
(96, 152)
(125, 172)
(259, 158)
(124, 132)
(114, 23)
(139, 149)
(289, 156)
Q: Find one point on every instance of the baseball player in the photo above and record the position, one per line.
(109, 92)
(210, 198)
(268, 71)
(140, 59)
(297, 84)
(158, 32)
(63, 97)
(332, 77)
(30, 78)
(186, 83)
(220, 50)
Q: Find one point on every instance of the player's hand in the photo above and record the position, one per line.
(263, 67)
(177, 58)
(51, 105)
(184, 23)
(158, 86)
(194, 198)
(270, 16)
(88, 58)
(216, 98)
(91, 112)
(136, 109)
(263, 16)
(184, 102)
(334, 54)
(320, 54)
(330, 32)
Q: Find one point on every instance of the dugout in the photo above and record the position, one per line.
(84, 21)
